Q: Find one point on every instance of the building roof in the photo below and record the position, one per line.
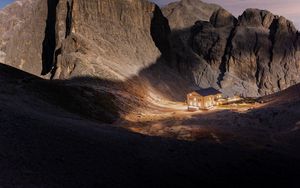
(207, 91)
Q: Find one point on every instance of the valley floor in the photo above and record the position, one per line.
(173, 120)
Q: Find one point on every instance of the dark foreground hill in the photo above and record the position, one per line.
(45, 144)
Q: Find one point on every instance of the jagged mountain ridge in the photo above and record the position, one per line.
(253, 55)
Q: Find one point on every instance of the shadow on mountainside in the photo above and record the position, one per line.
(100, 99)
(43, 145)
(237, 57)
(59, 133)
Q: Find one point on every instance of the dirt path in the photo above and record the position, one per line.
(173, 120)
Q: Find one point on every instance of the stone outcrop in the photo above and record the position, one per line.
(185, 13)
(254, 55)
(264, 53)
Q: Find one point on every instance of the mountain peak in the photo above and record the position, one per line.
(221, 18)
(185, 13)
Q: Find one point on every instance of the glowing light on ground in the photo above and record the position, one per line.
(169, 120)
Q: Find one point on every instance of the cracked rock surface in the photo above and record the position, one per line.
(254, 55)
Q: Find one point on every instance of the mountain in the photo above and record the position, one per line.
(92, 95)
(254, 55)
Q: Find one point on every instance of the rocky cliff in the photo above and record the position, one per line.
(256, 54)
(21, 34)
(110, 39)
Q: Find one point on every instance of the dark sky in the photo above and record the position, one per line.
(287, 8)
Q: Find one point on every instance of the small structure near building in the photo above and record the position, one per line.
(203, 99)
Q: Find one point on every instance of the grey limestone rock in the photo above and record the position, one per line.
(254, 55)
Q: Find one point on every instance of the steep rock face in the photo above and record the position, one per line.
(21, 34)
(200, 50)
(257, 54)
(110, 39)
(264, 54)
(185, 13)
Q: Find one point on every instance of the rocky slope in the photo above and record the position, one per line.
(256, 54)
